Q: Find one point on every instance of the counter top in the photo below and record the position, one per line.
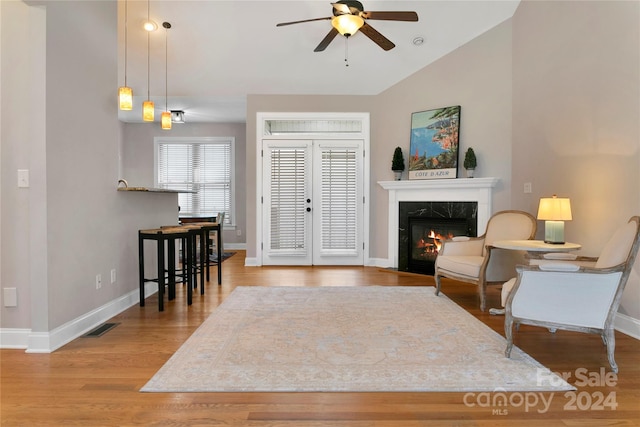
(153, 190)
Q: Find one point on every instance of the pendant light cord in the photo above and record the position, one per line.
(148, 55)
(125, 41)
(166, 66)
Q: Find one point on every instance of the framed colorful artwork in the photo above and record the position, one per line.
(433, 150)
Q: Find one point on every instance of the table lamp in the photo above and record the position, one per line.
(554, 211)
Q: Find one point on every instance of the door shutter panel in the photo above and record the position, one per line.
(287, 201)
(340, 200)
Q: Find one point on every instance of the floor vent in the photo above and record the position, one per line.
(100, 330)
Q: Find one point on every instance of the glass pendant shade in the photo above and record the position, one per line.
(347, 24)
(166, 120)
(125, 98)
(148, 112)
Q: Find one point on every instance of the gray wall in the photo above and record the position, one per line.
(71, 224)
(576, 109)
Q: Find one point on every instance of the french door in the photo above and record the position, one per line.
(313, 202)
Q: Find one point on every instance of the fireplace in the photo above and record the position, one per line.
(425, 239)
(423, 226)
(476, 190)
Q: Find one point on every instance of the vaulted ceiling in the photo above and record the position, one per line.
(221, 51)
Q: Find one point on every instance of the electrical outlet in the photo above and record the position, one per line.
(113, 275)
(527, 188)
(98, 281)
(238, 232)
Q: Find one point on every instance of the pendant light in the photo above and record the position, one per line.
(125, 93)
(166, 114)
(148, 112)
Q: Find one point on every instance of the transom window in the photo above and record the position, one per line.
(201, 165)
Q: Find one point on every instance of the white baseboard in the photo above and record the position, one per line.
(47, 342)
(377, 262)
(14, 338)
(627, 325)
(251, 262)
(235, 246)
(369, 262)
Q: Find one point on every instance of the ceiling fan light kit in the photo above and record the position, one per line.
(349, 16)
(347, 24)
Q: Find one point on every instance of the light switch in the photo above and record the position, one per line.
(10, 297)
(23, 178)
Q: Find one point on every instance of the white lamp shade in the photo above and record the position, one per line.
(554, 209)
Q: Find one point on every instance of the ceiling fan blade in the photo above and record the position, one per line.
(328, 39)
(391, 16)
(377, 38)
(282, 24)
(341, 7)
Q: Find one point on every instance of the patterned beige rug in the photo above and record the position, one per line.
(357, 339)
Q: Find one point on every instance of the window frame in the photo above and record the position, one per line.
(230, 220)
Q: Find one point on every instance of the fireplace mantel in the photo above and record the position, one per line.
(437, 190)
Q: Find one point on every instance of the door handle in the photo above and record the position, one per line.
(308, 209)
(308, 200)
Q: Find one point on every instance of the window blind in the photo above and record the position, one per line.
(202, 167)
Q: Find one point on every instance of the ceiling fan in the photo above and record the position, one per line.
(349, 16)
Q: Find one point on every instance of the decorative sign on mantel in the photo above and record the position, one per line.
(433, 150)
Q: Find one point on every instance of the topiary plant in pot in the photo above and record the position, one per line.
(397, 164)
(470, 162)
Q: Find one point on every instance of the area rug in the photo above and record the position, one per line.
(213, 258)
(346, 339)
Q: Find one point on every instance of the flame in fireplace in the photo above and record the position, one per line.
(432, 243)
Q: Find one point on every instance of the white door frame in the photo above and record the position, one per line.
(364, 135)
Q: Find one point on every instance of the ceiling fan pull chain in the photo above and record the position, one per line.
(346, 51)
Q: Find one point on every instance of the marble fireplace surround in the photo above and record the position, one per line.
(438, 190)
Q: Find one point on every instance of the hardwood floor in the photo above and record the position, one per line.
(95, 381)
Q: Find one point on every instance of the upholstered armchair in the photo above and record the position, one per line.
(574, 297)
(475, 260)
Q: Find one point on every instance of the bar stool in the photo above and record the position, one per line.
(197, 235)
(162, 235)
(207, 228)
